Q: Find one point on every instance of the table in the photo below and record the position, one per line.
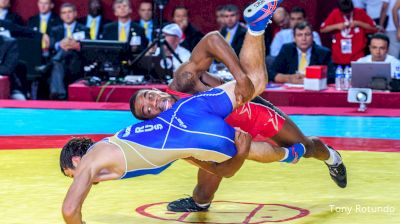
(281, 96)
(4, 87)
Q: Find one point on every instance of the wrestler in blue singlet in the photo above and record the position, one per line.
(192, 127)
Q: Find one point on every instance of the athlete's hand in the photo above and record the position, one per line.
(242, 142)
(244, 90)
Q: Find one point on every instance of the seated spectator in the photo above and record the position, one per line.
(233, 32)
(220, 16)
(125, 30)
(6, 14)
(378, 47)
(13, 30)
(66, 64)
(146, 21)
(191, 36)
(290, 64)
(8, 63)
(95, 20)
(173, 36)
(286, 35)
(281, 20)
(349, 27)
(44, 22)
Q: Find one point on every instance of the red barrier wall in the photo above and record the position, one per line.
(202, 12)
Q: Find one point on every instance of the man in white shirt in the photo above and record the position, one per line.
(285, 36)
(372, 7)
(379, 52)
(173, 36)
(391, 29)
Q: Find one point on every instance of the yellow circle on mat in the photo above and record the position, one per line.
(33, 188)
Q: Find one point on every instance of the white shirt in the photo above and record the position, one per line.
(373, 7)
(3, 14)
(394, 62)
(285, 36)
(183, 54)
(390, 26)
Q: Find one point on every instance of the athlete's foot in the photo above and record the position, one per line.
(186, 205)
(259, 14)
(338, 172)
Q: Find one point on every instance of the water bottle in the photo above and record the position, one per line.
(396, 74)
(338, 77)
(347, 78)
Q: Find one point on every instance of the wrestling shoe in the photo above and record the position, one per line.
(186, 205)
(296, 151)
(338, 172)
(259, 14)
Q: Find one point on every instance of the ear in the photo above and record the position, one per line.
(76, 160)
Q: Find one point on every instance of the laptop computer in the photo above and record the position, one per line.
(363, 73)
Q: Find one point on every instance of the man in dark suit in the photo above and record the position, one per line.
(66, 63)
(289, 66)
(8, 63)
(191, 36)
(125, 30)
(44, 22)
(95, 20)
(146, 20)
(7, 15)
(233, 31)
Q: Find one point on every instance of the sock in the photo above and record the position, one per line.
(334, 157)
(203, 205)
(255, 33)
(286, 154)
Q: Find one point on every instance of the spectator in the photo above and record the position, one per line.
(8, 64)
(173, 36)
(392, 27)
(95, 20)
(7, 15)
(66, 64)
(17, 31)
(285, 36)
(233, 32)
(146, 20)
(372, 7)
(281, 20)
(378, 47)
(349, 26)
(191, 36)
(294, 57)
(44, 22)
(220, 16)
(125, 30)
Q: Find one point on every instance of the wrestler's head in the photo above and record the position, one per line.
(146, 104)
(71, 154)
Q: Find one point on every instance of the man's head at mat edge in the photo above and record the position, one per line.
(71, 154)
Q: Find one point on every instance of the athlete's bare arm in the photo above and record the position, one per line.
(212, 46)
(101, 164)
(230, 167)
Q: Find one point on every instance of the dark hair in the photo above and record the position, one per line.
(381, 36)
(220, 8)
(301, 26)
(74, 147)
(68, 5)
(231, 8)
(180, 7)
(345, 6)
(132, 101)
(297, 9)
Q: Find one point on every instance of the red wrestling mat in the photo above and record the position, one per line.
(41, 142)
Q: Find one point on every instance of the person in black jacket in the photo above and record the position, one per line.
(66, 63)
(191, 36)
(233, 32)
(95, 20)
(46, 19)
(125, 30)
(6, 14)
(289, 66)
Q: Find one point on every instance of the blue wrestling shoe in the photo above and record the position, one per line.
(186, 205)
(259, 14)
(296, 151)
